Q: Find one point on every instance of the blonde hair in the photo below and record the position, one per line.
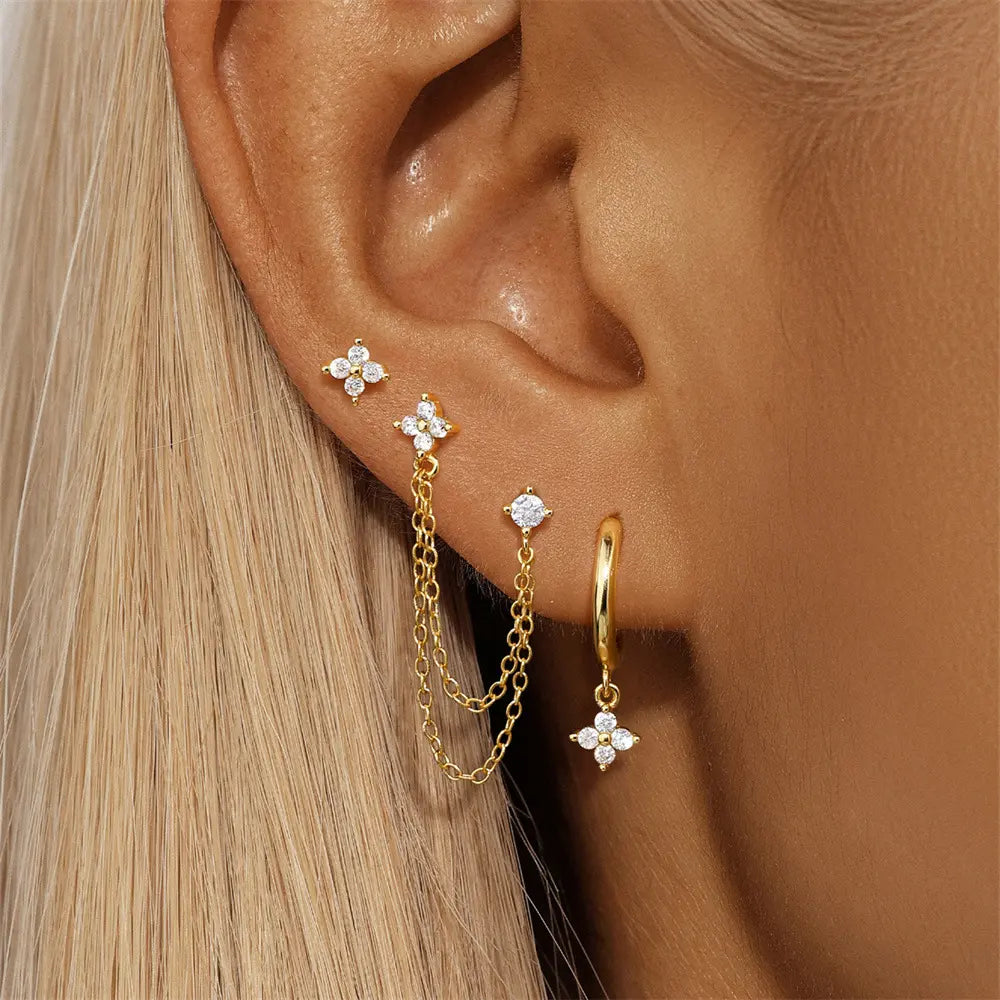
(211, 776)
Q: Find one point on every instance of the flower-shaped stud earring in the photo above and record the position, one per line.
(356, 369)
(606, 738)
(428, 426)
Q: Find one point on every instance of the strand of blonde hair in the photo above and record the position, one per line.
(213, 779)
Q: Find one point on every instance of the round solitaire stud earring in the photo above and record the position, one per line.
(527, 511)
(605, 737)
(356, 370)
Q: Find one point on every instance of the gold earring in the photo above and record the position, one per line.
(356, 370)
(606, 738)
(427, 427)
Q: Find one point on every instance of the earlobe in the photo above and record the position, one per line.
(306, 124)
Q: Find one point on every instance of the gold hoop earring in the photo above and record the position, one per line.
(606, 738)
(427, 427)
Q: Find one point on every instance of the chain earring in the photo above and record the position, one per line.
(427, 427)
(606, 738)
(356, 370)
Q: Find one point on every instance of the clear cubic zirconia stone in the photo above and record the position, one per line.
(527, 511)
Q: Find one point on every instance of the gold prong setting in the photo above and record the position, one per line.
(528, 510)
(357, 370)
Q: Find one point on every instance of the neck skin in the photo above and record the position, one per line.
(662, 912)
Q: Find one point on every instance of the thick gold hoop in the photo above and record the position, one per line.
(609, 543)
(606, 738)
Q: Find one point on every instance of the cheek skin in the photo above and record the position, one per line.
(825, 357)
(845, 529)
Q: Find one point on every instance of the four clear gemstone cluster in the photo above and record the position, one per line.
(606, 738)
(427, 426)
(356, 370)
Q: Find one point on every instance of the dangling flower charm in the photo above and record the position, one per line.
(427, 427)
(605, 738)
(356, 369)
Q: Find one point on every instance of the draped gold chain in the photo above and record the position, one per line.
(427, 629)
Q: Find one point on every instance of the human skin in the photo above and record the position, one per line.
(764, 336)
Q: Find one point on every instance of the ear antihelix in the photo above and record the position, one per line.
(428, 427)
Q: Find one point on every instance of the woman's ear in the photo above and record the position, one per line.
(382, 169)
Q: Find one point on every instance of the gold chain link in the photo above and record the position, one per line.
(427, 628)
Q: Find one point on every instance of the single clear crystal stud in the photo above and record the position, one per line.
(527, 511)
